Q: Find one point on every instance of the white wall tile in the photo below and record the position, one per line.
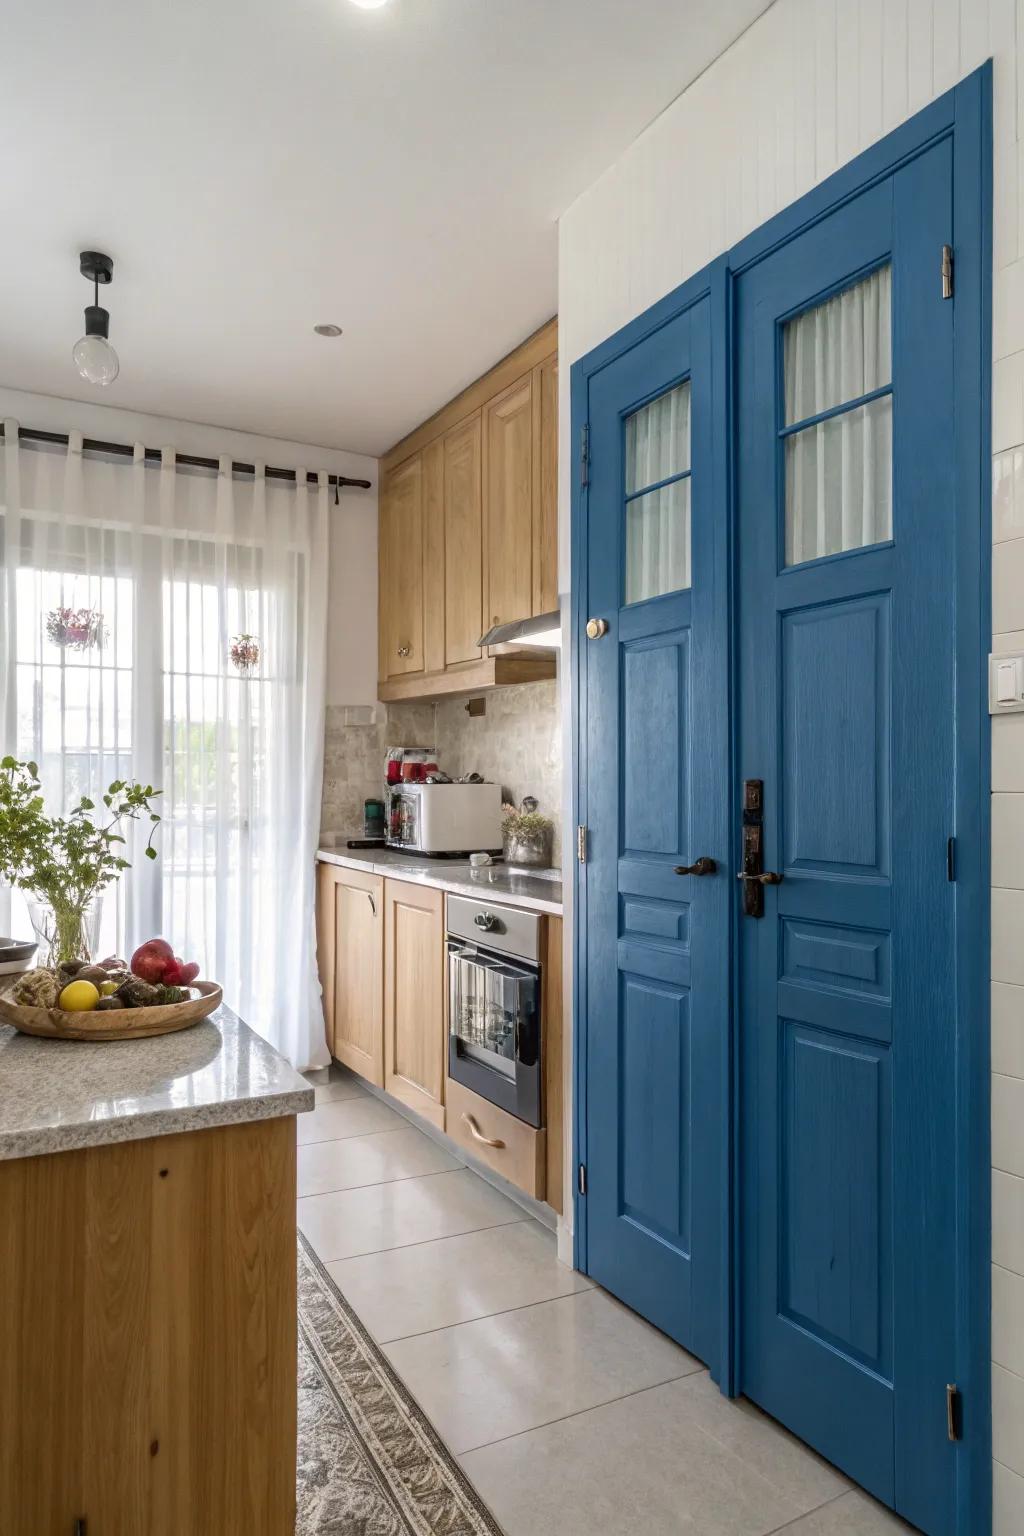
(1008, 1124)
(1008, 841)
(1008, 308)
(1007, 399)
(1007, 1501)
(1006, 210)
(1008, 1418)
(1008, 936)
(1008, 491)
(1008, 1221)
(1007, 1029)
(1008, 585)
(1008, 1319)
(1008, 745)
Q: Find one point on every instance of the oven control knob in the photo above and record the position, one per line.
(486, 921)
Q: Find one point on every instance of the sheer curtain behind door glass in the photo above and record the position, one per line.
(179, 564)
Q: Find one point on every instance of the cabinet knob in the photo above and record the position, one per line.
(403, 650)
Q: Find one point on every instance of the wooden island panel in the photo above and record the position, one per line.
(148, 1336)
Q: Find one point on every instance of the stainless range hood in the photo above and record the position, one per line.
(543, 633)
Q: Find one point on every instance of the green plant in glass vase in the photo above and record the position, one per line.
(67, 861)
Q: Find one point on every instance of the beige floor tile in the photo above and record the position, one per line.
(638, 1465)
(354, 1221)
(855, 1514)
(500, 1375)
(347, 1087)
(350, 1117)
(376, 1159)
(434, 1285)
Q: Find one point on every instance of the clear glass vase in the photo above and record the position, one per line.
(530, 850)
(65, 930)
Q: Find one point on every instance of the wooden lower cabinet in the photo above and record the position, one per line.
(350, 941)
(148, 1336)
(414, 1012)
(507, 1145)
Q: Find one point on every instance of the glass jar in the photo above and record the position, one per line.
(65, 930)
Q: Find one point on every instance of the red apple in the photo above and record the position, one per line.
(151, 960)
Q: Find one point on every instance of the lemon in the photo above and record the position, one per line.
(79, 997)
(107, 988)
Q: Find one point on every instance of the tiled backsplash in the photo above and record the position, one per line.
(517, 743)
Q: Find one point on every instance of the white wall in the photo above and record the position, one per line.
(352, 590)
(811, 84)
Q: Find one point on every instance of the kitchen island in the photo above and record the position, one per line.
(147, 1284)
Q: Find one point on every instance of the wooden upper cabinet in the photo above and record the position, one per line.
(401, 570)
(462, 541)
(545, 486)
(414, 1022)
(469, 531)
(508, 505)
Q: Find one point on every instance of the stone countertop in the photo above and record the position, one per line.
(59, 1095)
(539, 891)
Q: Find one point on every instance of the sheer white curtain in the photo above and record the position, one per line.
(165, 568)
(658, 521)
(839, 471)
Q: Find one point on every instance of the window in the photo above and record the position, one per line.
(837, 430)
(658, 496)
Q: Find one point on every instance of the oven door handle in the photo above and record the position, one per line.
(478, 1135)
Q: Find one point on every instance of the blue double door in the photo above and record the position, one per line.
(770, 1087)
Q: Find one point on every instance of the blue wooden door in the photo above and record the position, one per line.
(655, 766)
(845, 481)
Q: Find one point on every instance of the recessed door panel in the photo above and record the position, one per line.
(834, 765)
(654, 702)
(655, 1110)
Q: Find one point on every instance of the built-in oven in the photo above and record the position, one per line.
(494, 1004)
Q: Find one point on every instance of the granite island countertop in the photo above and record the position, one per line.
(539, 891)
(60, 1095)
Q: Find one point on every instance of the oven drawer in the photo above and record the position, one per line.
(521, 1153)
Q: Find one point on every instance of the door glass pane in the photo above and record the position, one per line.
(658, 541)
(658, 440)
(839, 483)
(658, 521)
(840, 350)
(839, 471)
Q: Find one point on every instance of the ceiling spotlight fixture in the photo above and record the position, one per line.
(327, 330)
(94, 357)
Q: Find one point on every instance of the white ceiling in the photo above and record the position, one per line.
(256, 167)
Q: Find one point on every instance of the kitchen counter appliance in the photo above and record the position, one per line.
(444, 818)
(495, 1045)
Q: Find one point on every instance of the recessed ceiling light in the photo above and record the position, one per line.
(369, 5)
(327, 330)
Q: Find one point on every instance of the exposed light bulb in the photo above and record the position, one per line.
(96, 359)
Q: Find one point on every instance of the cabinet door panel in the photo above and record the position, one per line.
(508, 520)
(401, 570)
(433, 557)
(358, 973)
(545, 486)
(414, 1042)
(462, 556)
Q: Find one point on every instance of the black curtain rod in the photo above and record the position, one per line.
(195, 461)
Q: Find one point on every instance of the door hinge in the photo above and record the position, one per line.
(581, 1179)
(947, 271)
(581, 844)
(585, 454)
(951, 858)
(953, 1411)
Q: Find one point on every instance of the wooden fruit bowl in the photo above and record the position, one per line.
(113, 1023)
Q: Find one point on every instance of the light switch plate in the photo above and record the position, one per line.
(1006, 683)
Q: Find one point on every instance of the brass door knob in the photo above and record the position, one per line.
(596, 628)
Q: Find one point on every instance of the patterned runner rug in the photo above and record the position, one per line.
(370, 1463)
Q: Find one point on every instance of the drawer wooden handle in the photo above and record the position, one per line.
(478, 1135)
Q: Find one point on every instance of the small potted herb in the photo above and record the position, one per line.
(64, 863)
(526, 835)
